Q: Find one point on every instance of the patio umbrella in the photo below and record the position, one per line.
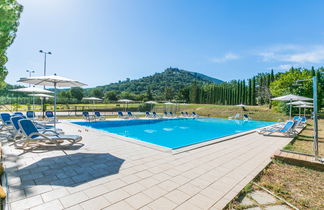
(54, 81)
(291, 98)
(168, 103)
(93, 99)
(151, 102)
(126, 101)
(299, 103)
(41, 95)
(31, 90)
(241, 105)
(304, 106)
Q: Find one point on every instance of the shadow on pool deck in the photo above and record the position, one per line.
(69, 170)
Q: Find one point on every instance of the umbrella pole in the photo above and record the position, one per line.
(299, 111)
(33, 103)
(290, 110)
(55, 106)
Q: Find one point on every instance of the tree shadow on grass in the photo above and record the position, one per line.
(68, 170)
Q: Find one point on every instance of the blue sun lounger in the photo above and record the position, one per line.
(288, 129)
(49, 116)
(30, 115)
(16, 132)
(5, 121)
(121, 115)
(194, 115)
(98, 116)
(86, 115)
(31, 135)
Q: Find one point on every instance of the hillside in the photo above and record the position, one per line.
(172, 78)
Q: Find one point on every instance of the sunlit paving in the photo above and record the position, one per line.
(161, 105)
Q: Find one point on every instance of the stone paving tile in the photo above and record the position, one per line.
(52, 205)
(155, 192)
(116, 196)
(263, 197)
(95, 191)
(27, 203)
(73, 199)
(133, 188)
(162, 203)
(95, 203)
(54, 194)
(139, 200)
(178, 197)
(122, 205)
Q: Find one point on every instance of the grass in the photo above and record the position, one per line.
(222, 111)
(219, 111)
(300, 186)
(304, 141)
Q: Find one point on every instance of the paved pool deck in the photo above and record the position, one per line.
(108, 173)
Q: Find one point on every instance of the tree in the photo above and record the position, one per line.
(149, 95)
(77, 93)
(9, 15)
(168, 94)
(96, 92)
(110, 96)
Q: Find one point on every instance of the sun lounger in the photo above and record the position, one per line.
(30, 115)
(172, 115)
(31, 135)
(148, 115)
(237, 116)
(16, 132)
(288, 129)
(98, 116)
(183, 114)
(86, 116)
(17, 113)
(154, 115)
(194, 115)
(5, 121)
(130, 115)
(49, 116)
(121, 115)
(246, 117)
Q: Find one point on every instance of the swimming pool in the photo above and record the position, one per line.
(176, 133)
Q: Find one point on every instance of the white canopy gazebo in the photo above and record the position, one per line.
(291, 98)
(126, 101)
(54, 81)
(305, 106)
(151, 102)
(93, 99)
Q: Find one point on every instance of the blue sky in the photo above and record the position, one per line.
(103, 41)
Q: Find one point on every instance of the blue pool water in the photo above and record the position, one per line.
(175, 133)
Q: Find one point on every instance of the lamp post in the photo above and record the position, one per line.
(45, 53)
(30, 72)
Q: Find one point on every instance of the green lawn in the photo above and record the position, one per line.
(219, 111)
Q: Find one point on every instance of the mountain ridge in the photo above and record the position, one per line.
(172, 78)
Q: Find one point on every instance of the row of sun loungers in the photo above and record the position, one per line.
(288, 128)
(26, 132)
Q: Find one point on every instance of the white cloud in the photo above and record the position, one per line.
(294, 54)
(225, 58)
(284, 67)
